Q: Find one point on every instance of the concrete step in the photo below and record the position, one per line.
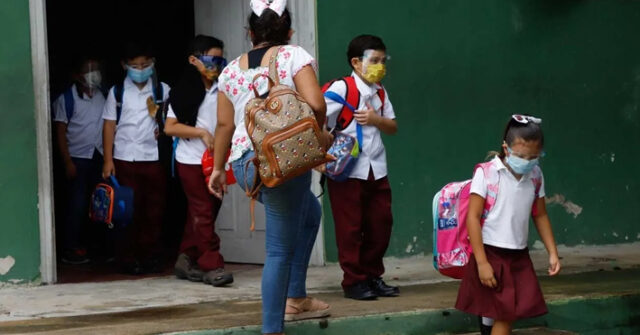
(536, 331)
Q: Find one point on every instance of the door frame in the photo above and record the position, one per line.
(40, 68)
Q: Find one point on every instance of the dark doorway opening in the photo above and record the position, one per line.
(77, 28)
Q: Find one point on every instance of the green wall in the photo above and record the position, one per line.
(19, 234)
(459, 68)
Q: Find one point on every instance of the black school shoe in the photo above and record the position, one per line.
(381, 288)
(484, 329)
(218, 277)
(185, 269)
(133, 268)
(360, 291)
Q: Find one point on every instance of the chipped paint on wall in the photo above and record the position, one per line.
(6, 264)
(569, 206)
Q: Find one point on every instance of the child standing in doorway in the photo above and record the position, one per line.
(500, 282)
(130, 137)
(192, 118)
(361, 205)
(78, 124)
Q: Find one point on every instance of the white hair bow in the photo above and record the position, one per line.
(278, 6)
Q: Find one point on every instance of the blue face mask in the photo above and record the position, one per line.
(140, 76)
(520, 165)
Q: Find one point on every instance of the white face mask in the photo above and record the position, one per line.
(93, 79)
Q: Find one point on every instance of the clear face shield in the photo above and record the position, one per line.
(91, 75)
(374, 65)
(213, 66)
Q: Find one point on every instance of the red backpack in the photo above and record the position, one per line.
(352, 97)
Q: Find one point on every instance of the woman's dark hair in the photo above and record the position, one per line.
(202, 43)
(526, 131)
(360, 44)
(187, 95)
(270, 28)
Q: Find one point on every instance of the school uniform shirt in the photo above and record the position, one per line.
(507, 224)
(373, 156)
(237, 85)
(135, 138)
(190, 150)
(84, 130)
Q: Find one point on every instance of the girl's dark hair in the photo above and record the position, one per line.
(526, 131)
(202, 43)
(361, 43)
(270, 28)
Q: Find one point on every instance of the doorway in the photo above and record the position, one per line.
(101, 29)
(74, 28)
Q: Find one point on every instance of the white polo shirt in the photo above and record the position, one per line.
(135, 132)
(190, 150)
(507, 224)
(373, 155)
(84, 130)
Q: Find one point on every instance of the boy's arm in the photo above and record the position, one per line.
(174, 128)
(386, 122)
(63, 146)
(543, 225)
(108, 134)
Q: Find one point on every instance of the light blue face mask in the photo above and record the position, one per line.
(520, 165)
(140, 76)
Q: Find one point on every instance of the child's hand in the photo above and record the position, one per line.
(367, 117)
(485, 272)
(70, 169)
(207, 139)
(554, 265)
(217, 183)
(108, 169)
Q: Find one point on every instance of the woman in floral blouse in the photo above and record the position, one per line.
(292, 211)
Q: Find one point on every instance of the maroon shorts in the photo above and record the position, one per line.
(518, 295)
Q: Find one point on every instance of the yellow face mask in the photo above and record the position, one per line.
(375, 73)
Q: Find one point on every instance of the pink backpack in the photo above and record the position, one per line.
(451, 244)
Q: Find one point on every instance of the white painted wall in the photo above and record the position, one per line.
(228, 20)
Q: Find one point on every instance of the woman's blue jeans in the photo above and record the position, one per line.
(292, 219)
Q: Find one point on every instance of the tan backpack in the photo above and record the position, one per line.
(284, 132)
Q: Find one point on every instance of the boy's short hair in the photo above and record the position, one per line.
(135, 49)
(202, 43)
(358, 45)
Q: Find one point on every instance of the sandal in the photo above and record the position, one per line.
(309, 308)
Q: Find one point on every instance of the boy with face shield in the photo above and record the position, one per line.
(192, 118)
(78, 124)
(131, 154)
(361, 204)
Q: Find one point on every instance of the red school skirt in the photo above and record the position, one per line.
(518, 295)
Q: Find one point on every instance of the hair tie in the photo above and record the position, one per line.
(278, 6)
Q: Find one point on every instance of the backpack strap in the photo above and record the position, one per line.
(382, 94)
(492, 180)
(69, 103)
(337, 98)
(118, 93)
(536, 179)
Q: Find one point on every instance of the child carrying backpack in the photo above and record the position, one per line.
(358, 107)
(498, 280)
(130, 135)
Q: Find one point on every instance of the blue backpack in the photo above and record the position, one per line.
(345, 148)
(112, 204)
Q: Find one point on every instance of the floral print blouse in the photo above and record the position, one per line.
(237, 85)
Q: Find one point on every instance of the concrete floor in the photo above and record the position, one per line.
(161, 305)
